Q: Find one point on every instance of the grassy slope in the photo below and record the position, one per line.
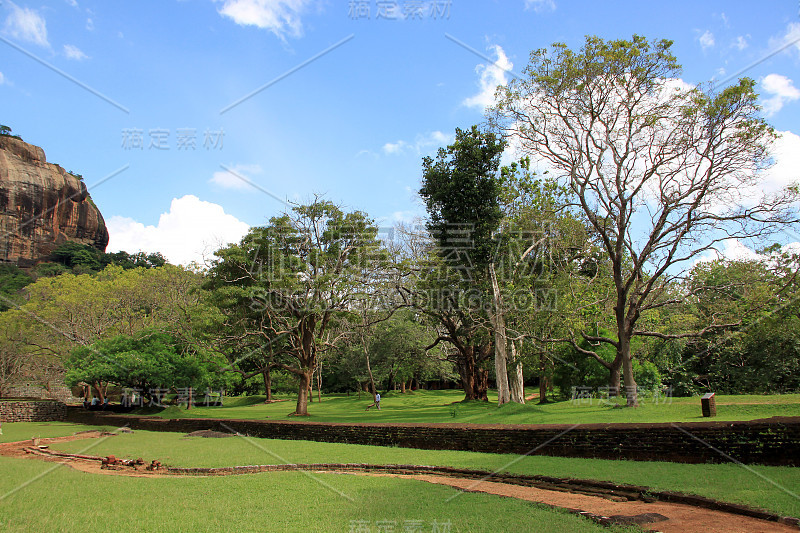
(758, 486)
(446, 406)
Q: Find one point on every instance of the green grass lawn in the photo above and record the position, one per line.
(446, 407)
(60, 499)
(15, 432)
(39, 496)
(758, 486)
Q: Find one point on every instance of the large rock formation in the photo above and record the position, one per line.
(42, 206)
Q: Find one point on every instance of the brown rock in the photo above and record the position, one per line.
(42, 206)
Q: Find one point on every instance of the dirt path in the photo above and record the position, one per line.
(680, 518)
(651, 516)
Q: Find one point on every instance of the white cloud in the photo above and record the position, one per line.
(281, 17)
(706, 40)
(233, 179)
(741, 42)
(26, 24)
(404, 217)
(434, 139)
(423, 143)
(73, 52)
(89, 24)
(190, 231)
(394, 148)
(72, 3)
(782, 90)
(732, 250)
(792, 35)
(491, 76)
(735, 250)
(2, 79)
(786, 170)
(540, 6)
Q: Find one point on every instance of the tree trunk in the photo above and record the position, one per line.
(319, 383)
(542, 377)
(403, 387)
(542, 389)
(99, 388)
(474, 380)
(302, 393)
(371, 379)
(613, 381)
(516, 384)
(267, 375)
(631, 394)
(500, 356)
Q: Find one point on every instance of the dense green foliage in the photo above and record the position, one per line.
(146, 361)
(82, 259)
(12, 281)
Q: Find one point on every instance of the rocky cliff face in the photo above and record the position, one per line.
(42, 206)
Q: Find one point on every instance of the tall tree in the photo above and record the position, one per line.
(546, 262)
(146, 361)
(302, 274)
(663, 171)
(461, 190)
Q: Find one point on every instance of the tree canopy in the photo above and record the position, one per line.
(662, 171)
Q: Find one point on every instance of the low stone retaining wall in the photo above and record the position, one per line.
(32, 410)
(774, 441)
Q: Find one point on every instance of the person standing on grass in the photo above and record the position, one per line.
(376, 403)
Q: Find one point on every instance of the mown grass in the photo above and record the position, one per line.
(767, 487)
(36, 497)
(15, 432)
(446, 407)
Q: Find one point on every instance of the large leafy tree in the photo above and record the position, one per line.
(292, 283)
(662, 171)
(461, 191)
(146, 361)
(760, 352)
(547, 266)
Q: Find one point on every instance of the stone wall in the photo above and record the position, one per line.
(32, 410)
(56, 391)
(774, 441)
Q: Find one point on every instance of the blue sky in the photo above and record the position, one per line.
(148, 87)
